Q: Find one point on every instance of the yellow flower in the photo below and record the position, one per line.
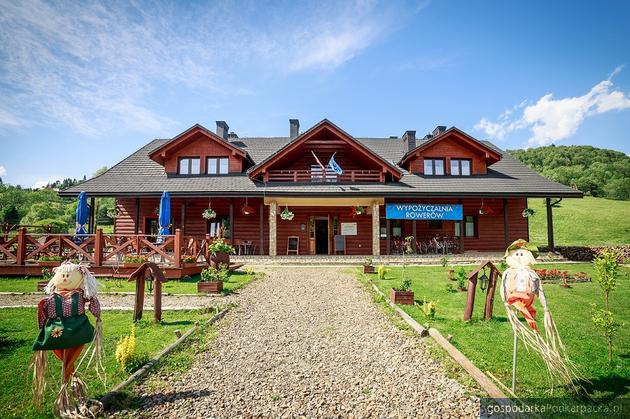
(56, 332)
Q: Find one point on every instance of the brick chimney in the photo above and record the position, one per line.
(409, 139)
(294, 128)
(438, 130)
(223, 129)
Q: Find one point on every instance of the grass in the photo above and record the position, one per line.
(582, 222)
(18, 329)
(488, 344)
(187, 285)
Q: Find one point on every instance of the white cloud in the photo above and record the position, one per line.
(551, 120)
(3, 171)
(92, 66)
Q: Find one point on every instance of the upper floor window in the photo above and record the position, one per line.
(217, 165)
(189, 166)
(434, 167)
(460, 167)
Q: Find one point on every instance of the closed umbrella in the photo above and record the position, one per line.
(165, 216)
(82, 215)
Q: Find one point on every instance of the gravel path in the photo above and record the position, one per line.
(309, 342)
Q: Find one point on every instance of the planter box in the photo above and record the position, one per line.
(218, 259)
(401, 297)
(189, 264)
(41, 285)
(132, 264)
(210, 287)
(451, 274)
(49, 263)
(368, 269)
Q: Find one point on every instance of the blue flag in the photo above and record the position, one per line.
(334, 166)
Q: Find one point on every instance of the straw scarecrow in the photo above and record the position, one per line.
(519, 287)
(65, 330)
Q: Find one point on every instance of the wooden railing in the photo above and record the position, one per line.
(319, 177)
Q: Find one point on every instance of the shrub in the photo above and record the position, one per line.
(405, 285)
(211, 274)
(367, 261)
(429, 308)
(444, 261)
(50, 258)
(462, 278)
(189, 259)
(607, 265)
(221, 246)
(126, 356)
(381, 271)
(135, 259)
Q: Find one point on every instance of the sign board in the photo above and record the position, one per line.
(348, 229)
(424, 211)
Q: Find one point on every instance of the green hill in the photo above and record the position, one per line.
(582, 222)
(595, 171)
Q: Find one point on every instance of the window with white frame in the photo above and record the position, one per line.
(217, 165)
(189, 166)
(460, 167)
(434, 167)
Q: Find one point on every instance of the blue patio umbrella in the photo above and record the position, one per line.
(82, 215)
(165, 215)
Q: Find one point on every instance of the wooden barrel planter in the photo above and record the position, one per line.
(210, 287)
(401, 297)
(218, 259)
(368, 269)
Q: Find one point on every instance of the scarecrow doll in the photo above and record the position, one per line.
(64, 329)
(520, 286)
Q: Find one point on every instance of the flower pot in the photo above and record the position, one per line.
(219, 258)
(49, 263)
(190, 264)
(214, 287)
(565, 285)
(41, 285)
(133, 264)
(401, 297)
(368, 269)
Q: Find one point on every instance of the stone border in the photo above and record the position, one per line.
(107, 399)
(484, 382)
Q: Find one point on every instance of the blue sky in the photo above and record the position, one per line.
(84, 84)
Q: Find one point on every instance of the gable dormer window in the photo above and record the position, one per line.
(434, 167)
(189, 166)
(460, 167)
(217, 165)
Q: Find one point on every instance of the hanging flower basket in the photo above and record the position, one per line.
(358, 210)
(286, 214)
(209, 214)
(247, 210)
(528, 212)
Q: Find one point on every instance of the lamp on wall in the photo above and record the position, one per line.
(246, 209)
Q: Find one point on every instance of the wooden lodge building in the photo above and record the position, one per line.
(465, 193)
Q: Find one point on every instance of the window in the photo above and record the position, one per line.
(395, 227)
(435, 224)
(460, 167)
(470, 226)
(217, 165)
(434, 167)
(189, 166)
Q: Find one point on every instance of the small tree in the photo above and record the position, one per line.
(607, 266)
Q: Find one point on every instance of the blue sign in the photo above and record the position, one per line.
(424, 212)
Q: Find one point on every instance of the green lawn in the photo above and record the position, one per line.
(18, 329)
(582, 222)
(489, 344)
(186, 285)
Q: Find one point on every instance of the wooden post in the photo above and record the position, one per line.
(98, 247)
(92, 216)
(273, 209)
(183, 216)
(376, 229)
(389, 233)
(137, 223)
(139, 303)
(462, 228)
(492, 284)
(231, 221)
(506, 232)
(21, 249)
(550, 242)
(177, 251)
(157, 298)
(470, 297)
(261, 249)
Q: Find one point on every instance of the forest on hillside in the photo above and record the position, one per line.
(43, 206)
(595, 171)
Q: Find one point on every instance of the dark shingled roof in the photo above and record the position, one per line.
(138, 175)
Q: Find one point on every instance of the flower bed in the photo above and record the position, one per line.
(557, 275)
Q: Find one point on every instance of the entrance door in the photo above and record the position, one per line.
(321, 237)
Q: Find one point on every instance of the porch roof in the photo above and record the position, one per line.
(138, 175)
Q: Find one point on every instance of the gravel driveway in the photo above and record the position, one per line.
(309, 342)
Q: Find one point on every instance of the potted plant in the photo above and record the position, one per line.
(368, 268)
(212, 279)
(220, 252)
(402, 294)
(462, 278)
(226, 231)
(49, 261)
(209, 214)
(286, 214)
(189, 261)
(134, 261)
(358, 210)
